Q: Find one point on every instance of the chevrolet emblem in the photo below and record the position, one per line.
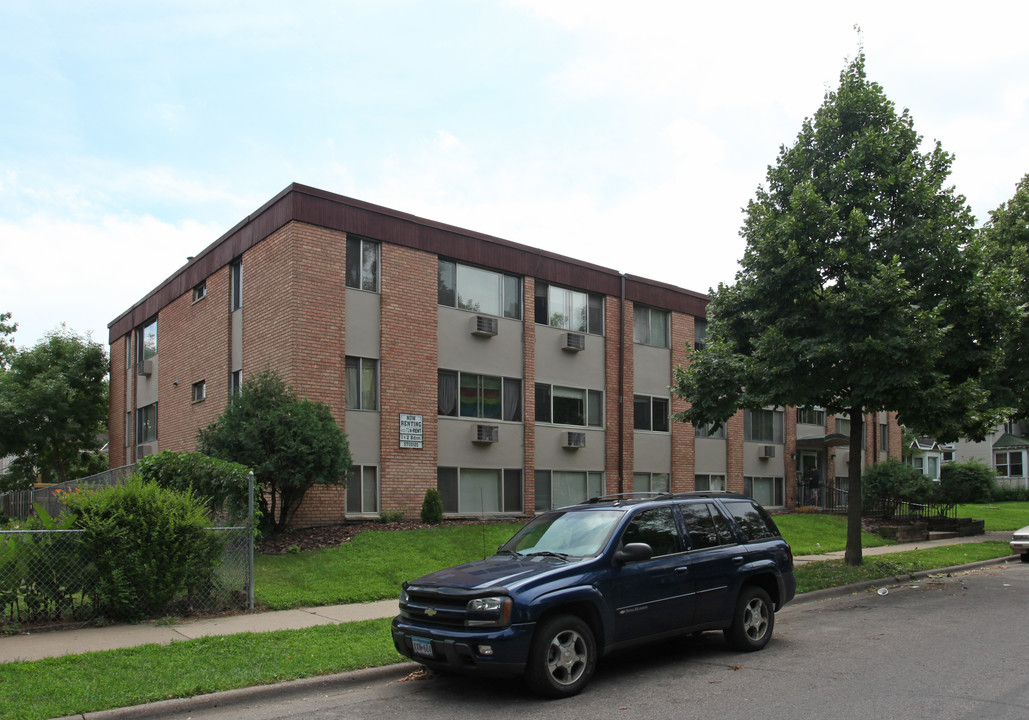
(430, 612)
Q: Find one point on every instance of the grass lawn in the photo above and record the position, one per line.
(371, 567)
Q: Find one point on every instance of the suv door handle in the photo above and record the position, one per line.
(682, 570)
(737, 560)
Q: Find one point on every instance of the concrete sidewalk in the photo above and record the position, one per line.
(35, 646)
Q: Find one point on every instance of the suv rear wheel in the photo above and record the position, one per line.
(752, 621)
(563, 657)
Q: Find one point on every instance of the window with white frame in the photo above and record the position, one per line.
(461, 394)
(362, 264)
(479, 490)
(1009, 464)
(651, 482)
(363, 490)
(235, 383)
(569, 309)
(362, 383)
(811, 416)
(768, 491)
(200, 291)
(483, 291)
(146, 424)
(650, 413)
(199, 391)
(708, 482)
(763, 426)
(569, 406)
(559, 488)
(146, 341)
(711, 430)
(650, 326)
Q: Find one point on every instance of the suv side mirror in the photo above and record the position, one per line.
(633, 552)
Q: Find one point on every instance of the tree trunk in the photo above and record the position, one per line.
(853, 552)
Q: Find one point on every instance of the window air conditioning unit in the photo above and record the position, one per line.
(486, 434)
(574, 342)
(766, 451)
(143, 450)
(145, 367)
(485, 326)
(575, 440)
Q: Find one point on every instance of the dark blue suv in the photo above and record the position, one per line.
(578, 582)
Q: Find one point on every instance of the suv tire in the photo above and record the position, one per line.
(563, 657)
(752, 620)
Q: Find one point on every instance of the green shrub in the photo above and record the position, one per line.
(894, 481)
(222, 484)
(967, 482)
(432, 507)
(146, 544)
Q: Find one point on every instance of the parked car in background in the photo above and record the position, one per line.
(579, 582)
(1020, 543)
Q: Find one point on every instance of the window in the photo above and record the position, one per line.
(235, 383)
(884, 437)
(362, 264)
(236, 285)
(146, 341)
(763, 426)
(559, 488)
(128, 429)
(199, 391)
(650, 482)
(146, 424)
(769, 491)
(650, 326)
(1008, 464)
(650, 413)
(200, 291)
(811, 416)
(918, 463)
(471, 490)
(699, 334)
(755, 523)
(657, 528)
(569, 406)
(706, 525)
(712, 430)
(362, 379)
(479, 396)
(363, 490)
(713, 483)
(843, 427)
(482, 291)
(569, 309)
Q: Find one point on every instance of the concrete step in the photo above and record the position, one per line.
(940, 535)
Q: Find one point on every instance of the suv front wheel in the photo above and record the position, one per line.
(563, 657)
(752, 621)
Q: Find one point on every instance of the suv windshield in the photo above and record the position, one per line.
(580, 534)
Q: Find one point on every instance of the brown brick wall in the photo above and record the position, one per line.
(619, 456)
(116, 450)
(734, 453)
(684, 436)
(408, 374)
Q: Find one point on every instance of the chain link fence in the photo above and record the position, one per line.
(47, 579)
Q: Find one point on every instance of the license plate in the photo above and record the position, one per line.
(422, 646)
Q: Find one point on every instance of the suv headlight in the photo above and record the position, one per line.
(489, 611)
(403, 596)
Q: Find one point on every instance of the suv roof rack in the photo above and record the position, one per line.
(642, 496)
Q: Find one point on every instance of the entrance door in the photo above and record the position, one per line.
(806, 461)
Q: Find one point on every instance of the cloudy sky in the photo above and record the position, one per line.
(629, 135)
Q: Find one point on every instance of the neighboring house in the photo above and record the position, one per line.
(927, 456)
(510, 378)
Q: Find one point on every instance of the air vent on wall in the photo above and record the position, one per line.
(575, 440)
(145, 367)
(484, 326)
(485, 433)
(766, 451)
(574, 342)
(143, 450)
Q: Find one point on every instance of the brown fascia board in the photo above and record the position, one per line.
(310, 205)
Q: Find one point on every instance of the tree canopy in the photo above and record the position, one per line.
(7, 348)
(53, 410)
(291, 443)
(854, 293)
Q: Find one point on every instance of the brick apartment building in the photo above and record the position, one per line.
(510, 378)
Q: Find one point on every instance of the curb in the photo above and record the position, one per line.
(842, 590)
(248, 695)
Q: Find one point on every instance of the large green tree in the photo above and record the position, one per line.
(7, 348)
(291, 443)
(855, 293)
(1004, 243)
(53, 410)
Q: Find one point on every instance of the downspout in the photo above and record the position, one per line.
(621, 387)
